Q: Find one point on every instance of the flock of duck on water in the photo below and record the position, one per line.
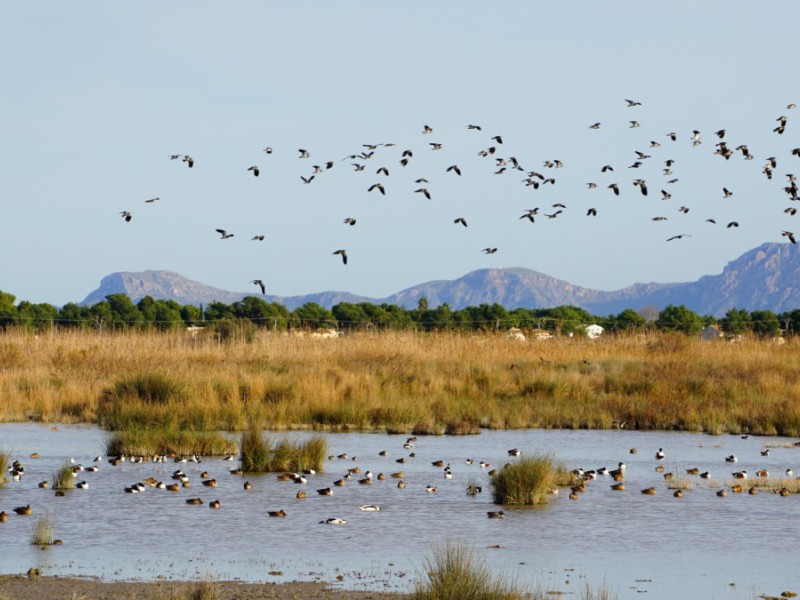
(543, 176)
(180, 480)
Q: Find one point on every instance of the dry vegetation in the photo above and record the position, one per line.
(399, 382)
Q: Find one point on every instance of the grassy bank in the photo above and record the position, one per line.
(399, 382)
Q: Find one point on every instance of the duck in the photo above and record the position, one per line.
(369, 508)
(495, 514)
(762, 473)
(660, 454)
(210, 483)
(333, 521)
(660, 469)
(514, 452)
(44, 485)
(325, 492)
(485, 465)
(82, 485)
(693, 471)
(194, 501)
(24, 510)
(722, 493)
(430, 489)
(401, 484)
(300, 495)
(736, 489)
(678, 494)
(752, 491)
(651, 491)
(215, 504)
(438, 463)
(784, 492)
(3, 517)
(705, 475)
(602, 471)
(248, 486)
(618, 487)
(740, 475)
(173, 487)
(789, 473)
(765, 452)
(277, 513)
(731, 459)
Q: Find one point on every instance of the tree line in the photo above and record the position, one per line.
(118, 312)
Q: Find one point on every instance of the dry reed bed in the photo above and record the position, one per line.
(404, 381)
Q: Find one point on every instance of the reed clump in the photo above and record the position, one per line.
(42, 533)
(4, 458)
(453, 571)
(528, 481)
(261, 453)
(63, 477)
(144, 441)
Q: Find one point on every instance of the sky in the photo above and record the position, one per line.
(97, 96)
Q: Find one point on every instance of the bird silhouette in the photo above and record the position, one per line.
(789, 235)
(254, 169)
(379, 187)
(224, 234)
(423, 191)
(350, 221)
(258, 238)
(460, 220)
(126, 215)
(678, 237)
(343, 254)
(260, 284)
(489, 250)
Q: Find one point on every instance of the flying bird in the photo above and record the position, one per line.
(489, 250)
(476, 127)
(461, 220)
(188, 160)
(606, 169)
(260, 284)
(634, 124)
(224, 235)
(632, 103)
(498, 139)
(151, 200)
(678, 237)
(592, 212)
(377, 186)
(435, 145)
(349, 221)
(383, 170)
(732, 224)
(126, 215)
(423, 191)
(454, 168)
(614, 187)
(307, 180)
(343, 254)
(789, 235)
(594, 126)
(304, 153)
(254, 169)
(726, 193)
(427, 129)
(258, 238)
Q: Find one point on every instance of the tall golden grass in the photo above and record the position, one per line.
(399, 381)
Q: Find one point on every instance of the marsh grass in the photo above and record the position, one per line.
(261, 453)
(42, 532)
(680, 483)
(772, 484)
(528, 481)
(168, 441)
(373, 381)
(63, 478)
(5, 457)
(452, 571)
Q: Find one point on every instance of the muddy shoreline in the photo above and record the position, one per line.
(22, 587)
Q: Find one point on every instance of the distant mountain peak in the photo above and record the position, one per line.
(765, 278)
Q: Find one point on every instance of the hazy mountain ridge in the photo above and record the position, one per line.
(765, 278)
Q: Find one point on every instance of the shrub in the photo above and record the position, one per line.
(260, 454)
(63, 477)
(42, 534)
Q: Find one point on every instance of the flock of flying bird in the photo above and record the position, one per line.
(532, 179)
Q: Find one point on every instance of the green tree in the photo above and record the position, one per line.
(679, 318)
(168, 315)
(736, 321)
(765, 323)
(629, 320)
(123, 312)
(72, 315)
(349, 316)
(312, 315)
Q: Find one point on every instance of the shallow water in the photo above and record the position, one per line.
(699, 546)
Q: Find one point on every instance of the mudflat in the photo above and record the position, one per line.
(20, 587)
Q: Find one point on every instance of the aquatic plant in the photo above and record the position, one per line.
(42, 532)
(4, 458)
(64, 477)
(263, 454)
(144, 441)
(528, 481)
(453, 571)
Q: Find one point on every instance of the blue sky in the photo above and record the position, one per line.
(98, 95)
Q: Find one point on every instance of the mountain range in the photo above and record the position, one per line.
(765, 278)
